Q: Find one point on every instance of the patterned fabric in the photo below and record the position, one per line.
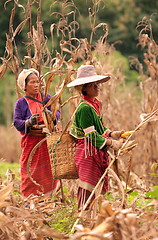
(40, 165)
(91, 168)
(91, 157)
(88, 124)
(39, 168)
(95, 103)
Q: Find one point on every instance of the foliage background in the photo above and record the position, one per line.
(121, 21)
(121, 16)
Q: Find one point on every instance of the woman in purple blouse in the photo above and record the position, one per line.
(28, 121)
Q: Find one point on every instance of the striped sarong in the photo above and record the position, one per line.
(91, 168)
(40, 167)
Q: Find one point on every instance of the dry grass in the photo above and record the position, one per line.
(112, 222)
(10, 144)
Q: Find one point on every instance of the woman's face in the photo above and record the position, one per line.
(32, 85)
(92, 89)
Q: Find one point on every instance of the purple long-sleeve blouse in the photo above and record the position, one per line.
(22, 113)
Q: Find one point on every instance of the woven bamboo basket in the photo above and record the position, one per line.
(61, 150)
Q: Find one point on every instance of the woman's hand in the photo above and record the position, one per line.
(114, 144)
(33, 120)
(116, 134)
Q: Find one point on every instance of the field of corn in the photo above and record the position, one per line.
(130, 209)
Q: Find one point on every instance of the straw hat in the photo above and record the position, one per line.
(87, 74)
(23, 75)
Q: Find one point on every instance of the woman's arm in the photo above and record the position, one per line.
(19, 120)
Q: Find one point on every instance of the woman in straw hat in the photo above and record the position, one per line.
(28, 121)
(93, 138)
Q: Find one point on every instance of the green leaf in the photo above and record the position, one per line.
(154, 193)
(134, 194)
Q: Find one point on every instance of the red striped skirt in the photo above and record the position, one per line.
(91, 168)
(40, 167)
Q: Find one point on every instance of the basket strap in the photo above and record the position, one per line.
(30, 160)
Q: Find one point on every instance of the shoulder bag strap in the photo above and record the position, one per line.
(34, 99)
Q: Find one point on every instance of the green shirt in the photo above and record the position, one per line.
(88, 125)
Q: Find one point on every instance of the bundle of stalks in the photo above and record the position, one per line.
(122, 109)
(119, 224)
(149, 87)
(25, 218)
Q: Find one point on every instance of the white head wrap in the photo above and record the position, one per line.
(23, 75)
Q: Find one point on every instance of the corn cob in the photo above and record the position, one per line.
(126, 134)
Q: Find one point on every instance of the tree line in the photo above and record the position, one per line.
(121, 17)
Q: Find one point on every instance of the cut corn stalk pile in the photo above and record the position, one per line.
(20, 221)
(119, 224)
(25, 219)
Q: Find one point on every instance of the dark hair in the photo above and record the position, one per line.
(84, 92)
(27, 79)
